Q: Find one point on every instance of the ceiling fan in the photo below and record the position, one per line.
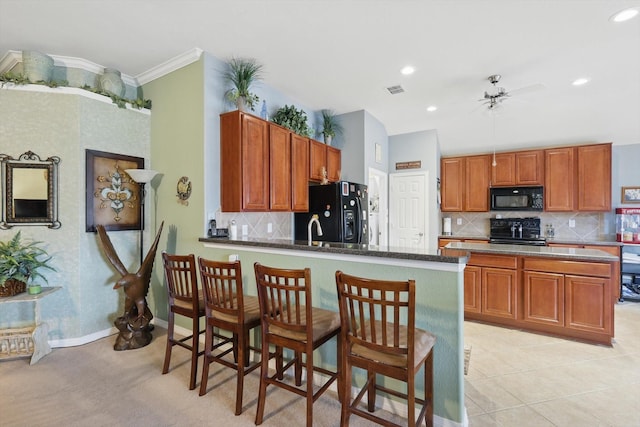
(493, 97)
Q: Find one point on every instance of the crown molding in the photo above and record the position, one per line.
(14, 57)
(169, 66)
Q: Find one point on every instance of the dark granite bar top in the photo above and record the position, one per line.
(452, 257)
(538, 251)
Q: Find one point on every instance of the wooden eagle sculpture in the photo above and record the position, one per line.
(134, 326)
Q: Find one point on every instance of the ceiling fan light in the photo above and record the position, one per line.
(581, 81)
(624, 15)
(431, 108)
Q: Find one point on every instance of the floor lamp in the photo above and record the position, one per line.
(142, 177)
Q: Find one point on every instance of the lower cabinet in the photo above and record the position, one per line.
(490, 284)
(563, 297)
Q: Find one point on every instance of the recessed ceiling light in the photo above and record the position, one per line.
(431, 108)
(408, 70)
(624, 15)
(581, 81)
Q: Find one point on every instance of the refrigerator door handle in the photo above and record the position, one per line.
(359, 220)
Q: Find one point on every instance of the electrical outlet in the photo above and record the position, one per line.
(234, 257)
(269, 228)
(572, 223)
(459, 221)
(245, 229)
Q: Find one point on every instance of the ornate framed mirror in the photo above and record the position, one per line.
(29, 190)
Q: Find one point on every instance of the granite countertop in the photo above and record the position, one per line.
(538, 251)
(458, 257)
(552, 240)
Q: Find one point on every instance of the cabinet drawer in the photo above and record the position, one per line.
(568, 267)
(498, 261)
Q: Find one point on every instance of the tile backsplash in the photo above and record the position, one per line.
(258, 223)
(588, 226)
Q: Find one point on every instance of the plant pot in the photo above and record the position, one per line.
(327, 139)
(241, 103)
(36, 66)
(12, 287)
(34, 289)
(111, 82)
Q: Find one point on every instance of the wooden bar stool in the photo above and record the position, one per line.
(181, 275)
(227, 308)
(289, 320)
(379, 336)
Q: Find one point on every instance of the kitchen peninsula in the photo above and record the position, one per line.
(439, 296)
(568, 292)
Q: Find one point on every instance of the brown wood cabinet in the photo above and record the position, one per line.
(323, 158)
(518, 168)
(263, 166)
(244, 165)
(444, 241)
(543, 296)
(492, 283)
(578, 178)
(559, 181)
(464, 185)
(279, 168)
(334, 164)
(594, 178)
(299, 173)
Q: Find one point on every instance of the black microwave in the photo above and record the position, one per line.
(516, 198)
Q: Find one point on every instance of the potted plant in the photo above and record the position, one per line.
(242, 73)
(330, 126)
(293, 119)
(21, 263)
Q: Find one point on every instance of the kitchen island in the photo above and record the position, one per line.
(439, 298)
(568, 292)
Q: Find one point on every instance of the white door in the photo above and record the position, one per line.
(378, 212)
(408, 210)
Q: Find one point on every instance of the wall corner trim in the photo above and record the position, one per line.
(169, 66)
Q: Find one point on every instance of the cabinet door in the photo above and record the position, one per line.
(255, 164)
(559, 181)
(279, 168)
(472, 282)
(504, 171)
(615, 275)
(334, 164)
(299, 173)
(477, 176)
(451, 184)
(543, 298)
(529, 166)
(498, 292)
(588, 305)
(317, 160)
(594, 178)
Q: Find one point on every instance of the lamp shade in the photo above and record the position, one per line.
(141, 176)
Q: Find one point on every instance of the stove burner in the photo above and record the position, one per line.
(519, 231)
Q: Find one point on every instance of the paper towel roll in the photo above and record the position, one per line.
(446, 226)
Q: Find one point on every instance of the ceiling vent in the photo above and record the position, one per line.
(394, 90)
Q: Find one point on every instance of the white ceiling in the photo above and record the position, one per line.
(343, 54)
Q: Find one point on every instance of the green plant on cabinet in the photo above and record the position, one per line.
(293, 119)
(242, 73)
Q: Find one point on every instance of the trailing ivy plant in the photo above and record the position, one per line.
(20, 79)
(293, 119)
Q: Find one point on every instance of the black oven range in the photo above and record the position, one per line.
(516, 231)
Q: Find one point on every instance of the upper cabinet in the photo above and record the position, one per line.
(324, 159)
(559, 181)
(594, 177)
(578, 178)
(465, 183)
(263, 166)
(244, 163)
(518, 168)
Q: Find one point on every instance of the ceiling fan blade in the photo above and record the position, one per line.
(527, 89)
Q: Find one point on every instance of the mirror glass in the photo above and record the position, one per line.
(29, 190)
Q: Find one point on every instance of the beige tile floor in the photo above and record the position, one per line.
(523, 379)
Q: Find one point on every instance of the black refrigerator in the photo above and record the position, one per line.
(342, 212)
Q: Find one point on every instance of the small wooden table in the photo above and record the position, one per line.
(27, 341)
